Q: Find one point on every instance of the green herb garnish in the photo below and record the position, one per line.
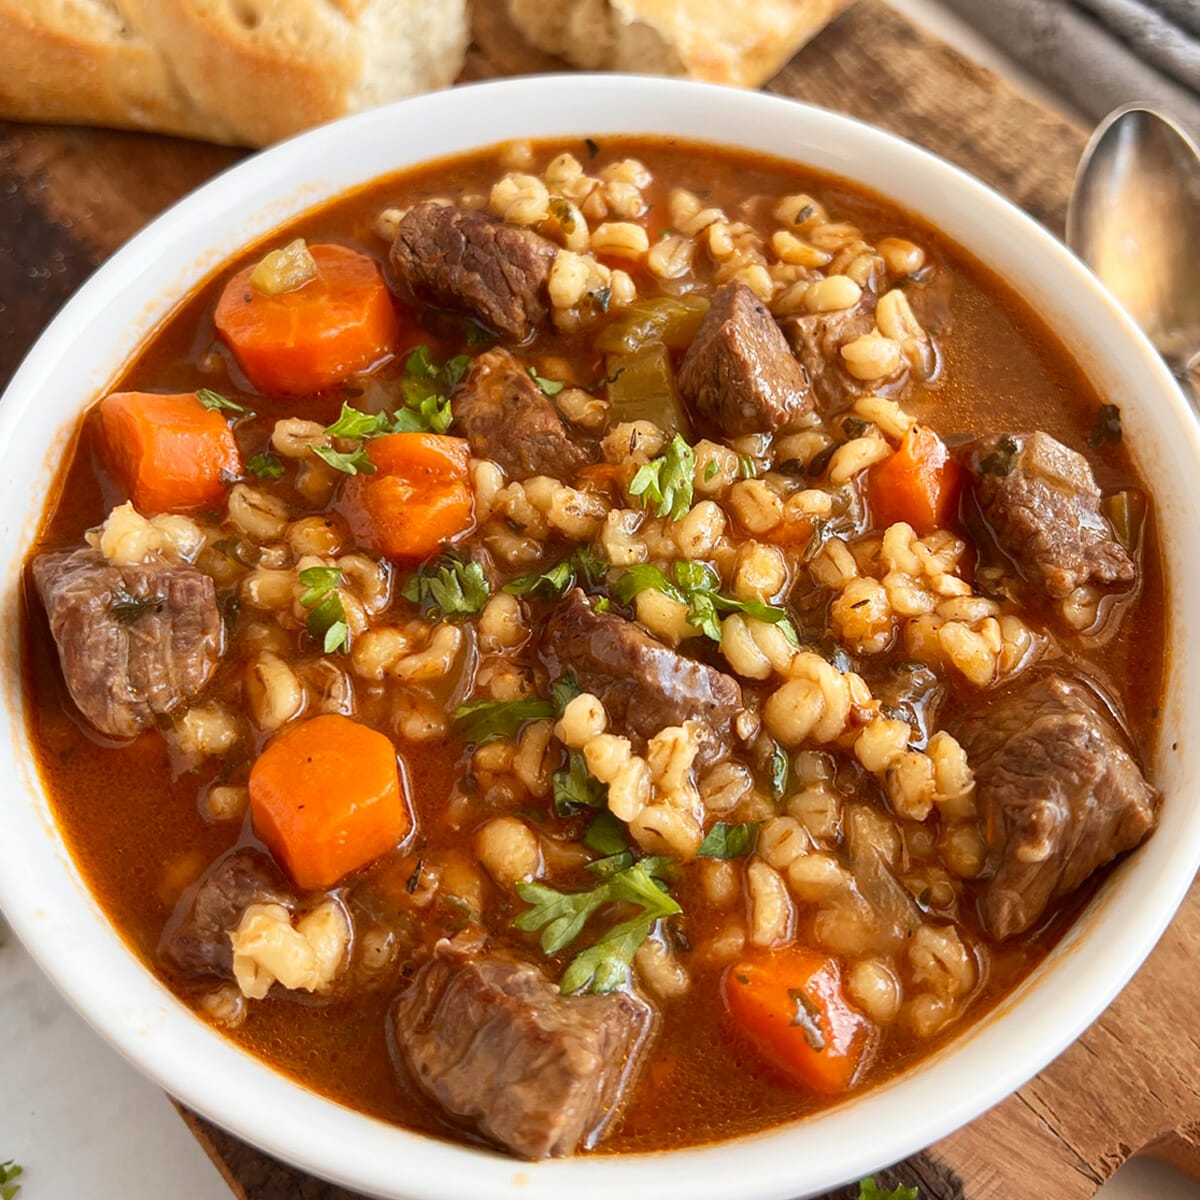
(326, 615)
(695, 584)
(9, 1173)
(666, 481)
(583, 567)
(729, 841)
(1000, 461)
(215, 402)
(126, 608)
(561, 917)
(426, 389)
(606, 835)
(576, 789)
(265, 465)
(780, 773)
(868, 1189)
(353, 462)
(550, 387)
(449, 586)
(482, 720)
(354, 423)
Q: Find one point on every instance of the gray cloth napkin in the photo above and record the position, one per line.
(1100, 54)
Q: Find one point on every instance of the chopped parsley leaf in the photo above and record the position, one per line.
(326, 623)
(482, 720)
(868, 1189)
(729, 841)
(550, 387)
(576, 789)
(583, 567)
(695, 584)
(354, 423)
(606, 835)
(265, 465)
(354, 462)
(780, 773)
(666, 481)
(126, 608)
(215, 402)
(9, 1173)
(561, 917)
(1000, 460)
(448, 585)
(563, 691)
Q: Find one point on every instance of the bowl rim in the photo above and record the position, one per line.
(126, 1004)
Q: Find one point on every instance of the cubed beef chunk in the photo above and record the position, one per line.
(643, 685)
(510, 420)
(817, 340)
(196, 939)
(1041, 502)
(467, 260)
(738, 371)
(505, 1054)
(134, 642)
(1059, 796)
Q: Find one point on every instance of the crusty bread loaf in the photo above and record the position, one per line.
(742, 42)
(240, 71)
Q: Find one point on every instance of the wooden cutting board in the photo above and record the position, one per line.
(69, 197)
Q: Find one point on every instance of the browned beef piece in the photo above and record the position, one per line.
(134, 642)
(1041, 502)
(1059, 796)
(196, 939)
(817, 340)
(738, 371)
(505, 1054)
(468, 260)
(509, 419)
(643, 685)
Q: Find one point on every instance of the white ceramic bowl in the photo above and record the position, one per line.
(41, 891)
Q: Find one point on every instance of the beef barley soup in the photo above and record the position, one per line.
(597, 645)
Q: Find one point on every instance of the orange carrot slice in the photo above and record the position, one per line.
(301, 341)
(326, 797)
(169, 452)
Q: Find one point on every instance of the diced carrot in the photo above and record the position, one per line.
(791, 1004)
(919, 484)
(797, 532)
(418, 500)
(314, 336)
(169, 452)
(604, 475)
(326, 798)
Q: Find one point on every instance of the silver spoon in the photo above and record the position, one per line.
(1134, 218)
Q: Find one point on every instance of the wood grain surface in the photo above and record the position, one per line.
(70, 197)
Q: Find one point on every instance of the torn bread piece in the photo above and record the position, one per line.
(246, 72)
(712, 40)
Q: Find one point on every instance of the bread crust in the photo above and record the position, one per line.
(72, 62)
(240, 71)
(713, 40)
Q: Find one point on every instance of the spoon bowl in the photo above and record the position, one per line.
(1134, 219)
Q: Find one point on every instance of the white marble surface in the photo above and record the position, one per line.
(86, 1126)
